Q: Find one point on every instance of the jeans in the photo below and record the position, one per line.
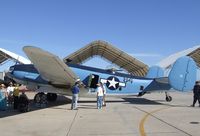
(74, 101)
(99, 102)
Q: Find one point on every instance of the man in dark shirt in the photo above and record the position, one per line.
(75, 91)
(196, 92)
(23, 104)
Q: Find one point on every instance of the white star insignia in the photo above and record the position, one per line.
(112, 83)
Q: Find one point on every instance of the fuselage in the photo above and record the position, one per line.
(116, 83)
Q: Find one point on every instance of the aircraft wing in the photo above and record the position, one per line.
(193, 52)
(5, 55)
(50, 66)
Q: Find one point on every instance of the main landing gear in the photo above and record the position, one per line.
(168, 97)
(41, 97)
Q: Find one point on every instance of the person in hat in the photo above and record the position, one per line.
(3, 97)
(99, 96)
(75, 92)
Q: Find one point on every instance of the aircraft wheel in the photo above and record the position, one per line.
(51, 97)
(37, 98)
(168, 98)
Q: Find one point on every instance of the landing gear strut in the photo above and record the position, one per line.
(168, 97)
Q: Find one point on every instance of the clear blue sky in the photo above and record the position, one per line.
(150, 29)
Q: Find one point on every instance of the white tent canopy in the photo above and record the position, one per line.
(6, 55)
(193, 52)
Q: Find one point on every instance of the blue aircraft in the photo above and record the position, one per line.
(49, 74)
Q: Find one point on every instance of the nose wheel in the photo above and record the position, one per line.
(168, 97)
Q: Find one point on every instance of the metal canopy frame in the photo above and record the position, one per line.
(3, 57)
(110, 53)
(196, 56)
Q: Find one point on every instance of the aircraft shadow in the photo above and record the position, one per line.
(61, 100)
(107, 101)
(92, 104)
(142, 101)
(85, 104)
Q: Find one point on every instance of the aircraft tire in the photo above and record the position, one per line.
(37, 98)
(51, 97)
(168, 98)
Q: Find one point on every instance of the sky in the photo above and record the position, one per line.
(149, 30)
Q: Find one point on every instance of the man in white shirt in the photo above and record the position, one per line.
(10, 90)
(99, 96)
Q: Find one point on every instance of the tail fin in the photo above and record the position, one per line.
(182, 76)
(155, 72)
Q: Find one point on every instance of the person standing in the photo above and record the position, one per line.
(104, 93)
(75, 92)
(196, 92)
(99, 96)
(16, 96)
(10, 90)
(3, 96)
(23, 102)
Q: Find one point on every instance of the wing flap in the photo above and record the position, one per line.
(50, 66)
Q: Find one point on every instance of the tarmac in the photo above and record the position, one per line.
(149, 115)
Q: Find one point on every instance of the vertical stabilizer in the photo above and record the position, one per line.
(182, 76)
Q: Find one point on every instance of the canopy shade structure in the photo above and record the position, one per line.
(196, 56)
(193, 52)
(110, 53)
(6, 55)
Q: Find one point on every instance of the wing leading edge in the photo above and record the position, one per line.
(50, 66)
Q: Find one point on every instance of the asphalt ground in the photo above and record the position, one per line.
(149, 115)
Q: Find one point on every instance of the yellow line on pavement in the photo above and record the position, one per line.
(141, 127)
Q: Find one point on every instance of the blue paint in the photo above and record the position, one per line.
(155, 72)
(182, 77)
(183, 74)
(132, 86)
